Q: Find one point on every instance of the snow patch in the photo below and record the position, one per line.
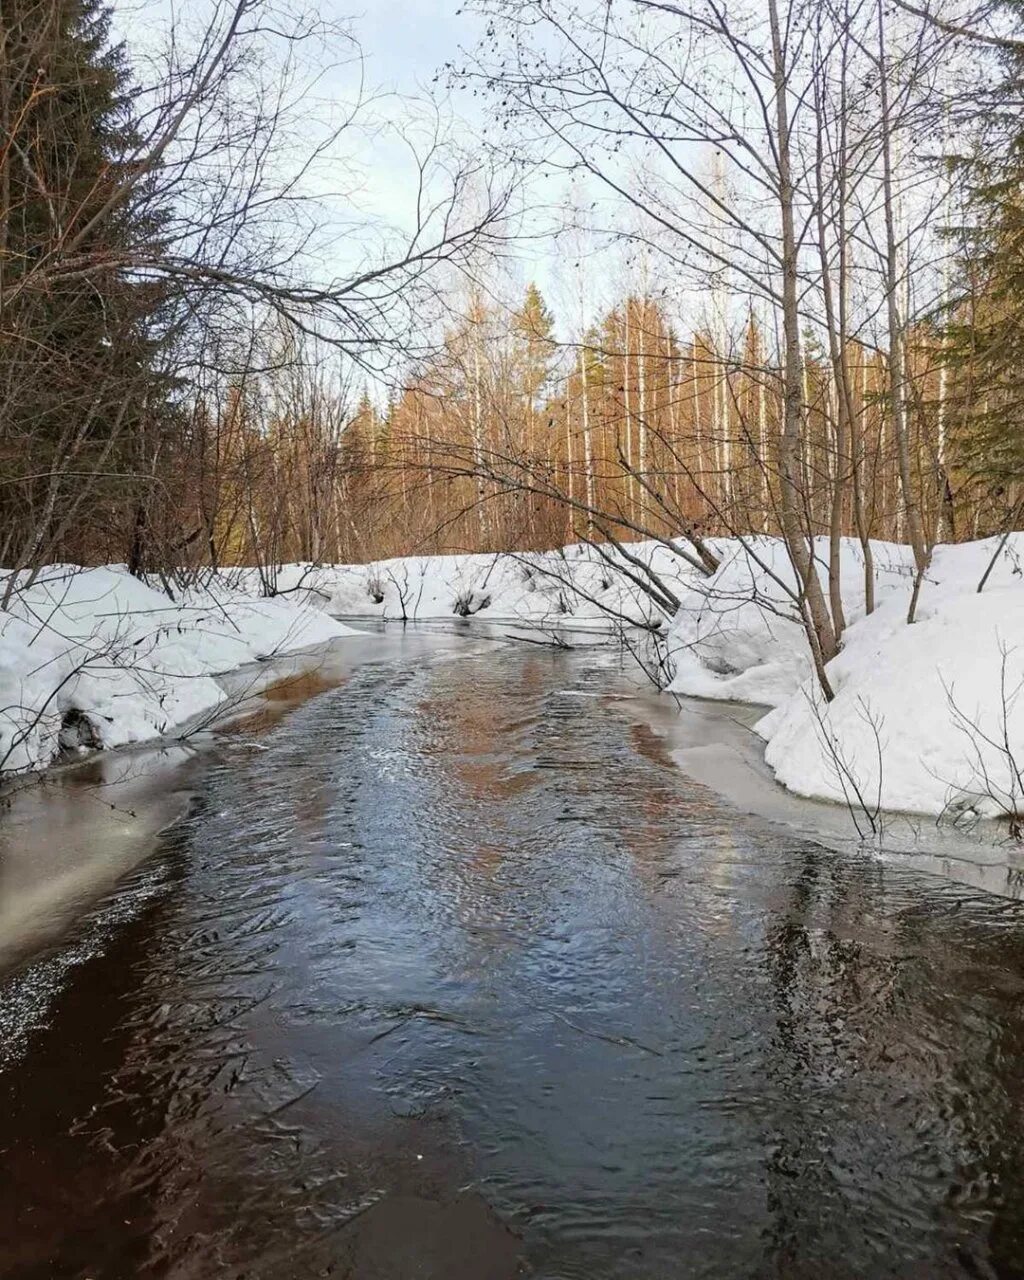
(96, 658)
(926, 718)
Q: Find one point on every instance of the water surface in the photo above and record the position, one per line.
(452, 973)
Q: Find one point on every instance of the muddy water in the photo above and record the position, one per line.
(451, 973)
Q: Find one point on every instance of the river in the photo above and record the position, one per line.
(450, 972)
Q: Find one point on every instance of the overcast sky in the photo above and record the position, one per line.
(404, 45)
(405, 41)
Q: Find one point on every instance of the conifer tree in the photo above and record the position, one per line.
(533, 327)
(78, 328)
(987, 321)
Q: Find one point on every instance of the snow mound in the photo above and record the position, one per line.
(737, 635)
(94, 657)
(926, 718)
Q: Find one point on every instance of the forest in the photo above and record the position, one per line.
(788, 243)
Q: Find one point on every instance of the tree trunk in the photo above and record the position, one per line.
(897, 355)
(818, 624)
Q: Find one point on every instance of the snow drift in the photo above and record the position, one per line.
(926, 718)
(94, 657)
(573, 585)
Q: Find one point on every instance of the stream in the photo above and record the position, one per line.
(450, 972)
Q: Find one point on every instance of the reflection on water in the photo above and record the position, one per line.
(459, 970)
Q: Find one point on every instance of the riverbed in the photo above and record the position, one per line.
(449, 970)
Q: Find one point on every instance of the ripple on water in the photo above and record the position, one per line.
(460, 962)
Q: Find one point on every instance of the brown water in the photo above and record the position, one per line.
(450, 973)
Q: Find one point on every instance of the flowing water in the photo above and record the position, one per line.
(451, 973)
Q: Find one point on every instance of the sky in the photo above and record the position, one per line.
(404, 46)
(405, 41)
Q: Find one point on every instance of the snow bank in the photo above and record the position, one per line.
(570, 586)
(737, 635)
(96, 657)
(926, 718)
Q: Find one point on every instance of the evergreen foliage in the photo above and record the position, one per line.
(987, 320)
(80, 325)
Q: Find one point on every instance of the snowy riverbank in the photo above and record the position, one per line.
(94, 657)
(926, 718)
(572, 586)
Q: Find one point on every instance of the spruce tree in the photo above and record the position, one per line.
(78, 324)
(986, 323)
(533, 327)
